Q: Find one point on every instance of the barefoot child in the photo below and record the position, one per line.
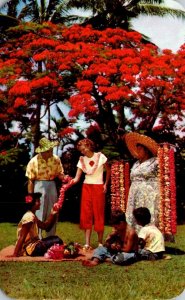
(151, 240)
(123, 240)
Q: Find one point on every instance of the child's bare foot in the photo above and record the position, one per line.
(89, 263)
(87, 248)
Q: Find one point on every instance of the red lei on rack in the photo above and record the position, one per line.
(167, 206)
(120, 182)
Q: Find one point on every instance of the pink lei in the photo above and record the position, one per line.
(93, 163)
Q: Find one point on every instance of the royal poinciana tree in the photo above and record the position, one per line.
(109, 76)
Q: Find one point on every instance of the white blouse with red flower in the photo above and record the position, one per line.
(93, 167)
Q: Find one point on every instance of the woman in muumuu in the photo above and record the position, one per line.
(144, 190)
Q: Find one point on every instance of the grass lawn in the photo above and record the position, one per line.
(144, 280)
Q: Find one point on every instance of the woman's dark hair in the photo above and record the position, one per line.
(117, 217)
(142, 215)
(31, 198)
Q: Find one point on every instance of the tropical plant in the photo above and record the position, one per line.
(102, 14)
(55, 11)
(109, 76)
(118, 13)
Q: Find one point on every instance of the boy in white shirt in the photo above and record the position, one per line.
(151, 240)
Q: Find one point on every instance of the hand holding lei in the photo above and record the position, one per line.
(68, 183)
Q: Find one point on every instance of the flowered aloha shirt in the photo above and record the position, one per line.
(144, 190)
(40, 169)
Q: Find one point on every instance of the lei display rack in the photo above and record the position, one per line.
(120, 182)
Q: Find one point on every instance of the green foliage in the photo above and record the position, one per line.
(9, 156)
(118, 13)
(12, 183)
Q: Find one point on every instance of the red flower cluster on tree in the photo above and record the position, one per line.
(66, 131)
(98, 72)
(20, 88)
(19, 102)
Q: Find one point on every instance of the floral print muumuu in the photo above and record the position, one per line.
(144, 190)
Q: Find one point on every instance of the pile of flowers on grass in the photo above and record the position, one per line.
(57, 251)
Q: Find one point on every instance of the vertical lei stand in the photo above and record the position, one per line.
(120, 183)
(167, 203)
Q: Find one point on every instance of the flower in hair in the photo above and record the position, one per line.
(28, 199)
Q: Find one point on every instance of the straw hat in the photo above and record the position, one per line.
(45, 145)
(132, 139)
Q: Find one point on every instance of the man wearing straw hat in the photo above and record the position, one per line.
(41, 171)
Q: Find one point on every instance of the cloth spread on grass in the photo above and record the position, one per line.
(6, 252)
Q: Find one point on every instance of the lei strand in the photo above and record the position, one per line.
(67, 181)
(161, 186)
(127, 182)
(115, 195)
(122, 187)
(167, 190)
(173, 192)
(167, 205)
(119, 185)
(90, 172)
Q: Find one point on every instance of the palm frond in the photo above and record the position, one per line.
(151, 2)
(58, 13)
(158, 10)
(30, 11)
(72, 19)
(7, 21)
(51, 8)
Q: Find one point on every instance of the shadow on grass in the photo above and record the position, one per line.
(174, 251)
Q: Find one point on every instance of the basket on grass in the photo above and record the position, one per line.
(57, 251)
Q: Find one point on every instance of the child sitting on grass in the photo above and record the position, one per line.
(150, 240)
(28, 242)
(123, 240)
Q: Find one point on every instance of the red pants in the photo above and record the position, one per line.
(92, 207)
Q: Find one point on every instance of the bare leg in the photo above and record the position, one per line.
(91, 263)
(88, 236)
(100, 237)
